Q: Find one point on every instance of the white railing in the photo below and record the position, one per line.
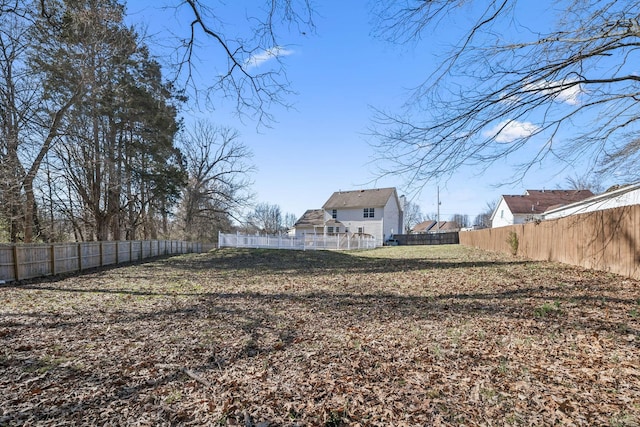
(302, 243)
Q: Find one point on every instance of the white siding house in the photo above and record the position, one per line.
(623, 196)
(502, 216)
(376, 212)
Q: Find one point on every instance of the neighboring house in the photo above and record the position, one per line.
(620, 196)
(311, 222)
(376, 212)
(423, 227)
(532, 205)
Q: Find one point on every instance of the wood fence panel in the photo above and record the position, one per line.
(66, 257)
(91, 255)
(136, 250)
(146, 249)
(607, 240)
(109, 253)
(7, 266)
(450, 238)
(35, 261)
(124, 251)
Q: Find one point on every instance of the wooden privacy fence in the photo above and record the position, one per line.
(607, 240)
(449, 238)
(18, 262)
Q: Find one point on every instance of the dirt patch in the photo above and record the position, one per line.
(396, 336)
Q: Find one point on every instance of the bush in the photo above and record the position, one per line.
(512, 240)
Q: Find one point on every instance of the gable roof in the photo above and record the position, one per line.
(312, 217)
(446, 226)
(360, 198)
(538, 201)
(424, 226)
(431, 226)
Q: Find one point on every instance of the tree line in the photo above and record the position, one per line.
(91, 143)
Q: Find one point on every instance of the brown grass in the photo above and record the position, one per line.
(403, 336)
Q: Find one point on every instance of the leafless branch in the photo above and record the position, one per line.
(488, 85)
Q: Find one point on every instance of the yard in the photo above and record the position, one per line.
(397, 336)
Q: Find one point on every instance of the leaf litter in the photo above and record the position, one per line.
(399, 336)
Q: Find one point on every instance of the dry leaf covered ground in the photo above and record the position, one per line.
(401, 336)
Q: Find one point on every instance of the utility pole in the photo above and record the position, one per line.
(438, 214)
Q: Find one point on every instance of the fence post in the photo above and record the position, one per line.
(53, 259)
(16, 262)
(101, 254)
(79, 256)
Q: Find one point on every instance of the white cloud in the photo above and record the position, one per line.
(567, 90)
(266, 55)
(510, 130)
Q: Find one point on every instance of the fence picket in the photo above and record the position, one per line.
(310, 241)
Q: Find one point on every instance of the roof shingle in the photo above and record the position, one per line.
(359, 198)
(538, 201)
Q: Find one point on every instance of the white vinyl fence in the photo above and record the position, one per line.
(306, 242)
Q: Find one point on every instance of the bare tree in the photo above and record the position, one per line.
(461, 219)
(289, 220)
(412, 216)
(267, 218)
(252, 87)
(584, 182)
(30, 120)
(510, 80)
(483, 220)
(219, 180)
(14, 110)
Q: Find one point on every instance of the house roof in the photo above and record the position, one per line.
(312, 217)
(315, 218)
(538, 201)
(446, 226)
(611, 193)
(360, 198)
(424, 226)
(431, 226)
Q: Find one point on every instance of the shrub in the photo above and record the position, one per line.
(512, 240)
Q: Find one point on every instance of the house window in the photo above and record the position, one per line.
(337, 230)
(334, 214)
(369, 212)
(330, 230)
(360, 230)
(502, 213)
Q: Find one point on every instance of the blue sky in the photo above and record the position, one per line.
(321, 145)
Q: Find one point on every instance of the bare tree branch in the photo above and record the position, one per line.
(572, 92)
(253, 90)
